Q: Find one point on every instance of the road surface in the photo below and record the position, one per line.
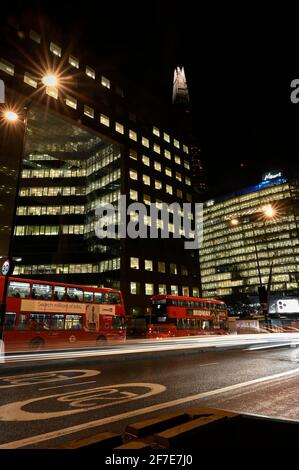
(45, 404)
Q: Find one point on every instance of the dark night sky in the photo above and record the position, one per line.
(239, 64)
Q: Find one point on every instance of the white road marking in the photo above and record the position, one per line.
(68, 385)
(141, 411)
(79, 401)
(43, 377)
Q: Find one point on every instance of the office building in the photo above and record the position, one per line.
(249, 234)
(87, 142)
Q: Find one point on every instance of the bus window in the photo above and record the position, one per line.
(19, 289)
(118, 323)
(206, 325)
(98, 297)
(57, 322)
(73, 322)
(22, 322)
(41, 291)
(88, 296)
(114, 298)
(39, 321)
(74, 294)
(59, 293)
(10, 320)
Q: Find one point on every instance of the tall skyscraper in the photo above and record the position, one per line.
(182, 108)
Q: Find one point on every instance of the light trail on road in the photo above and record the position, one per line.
(249, 341)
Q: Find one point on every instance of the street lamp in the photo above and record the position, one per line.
(268, 213)
(10, 116)
(50, 80)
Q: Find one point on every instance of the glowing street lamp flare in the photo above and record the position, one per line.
(50, 80)
(11, 116)
(269, 211)
(234, 222)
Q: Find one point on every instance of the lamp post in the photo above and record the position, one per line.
(268, 212)
(14, 118)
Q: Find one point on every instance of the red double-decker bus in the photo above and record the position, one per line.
(186, 316)
(42, 314)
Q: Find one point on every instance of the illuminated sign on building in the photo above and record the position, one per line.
(270, 175)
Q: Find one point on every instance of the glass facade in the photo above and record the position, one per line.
(84, 149)
(239, 240)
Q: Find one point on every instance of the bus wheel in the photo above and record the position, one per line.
(101, 341)
(36, 344)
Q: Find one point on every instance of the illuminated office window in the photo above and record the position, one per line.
(52, 91)
(74, 61)
(166, 137)
(145, 160)
(90, 72)
(7, 67)
(162, 289)
(185, 149)
(161, 267)
(146, 180)
(170, 228)
(174, 290)
(167, 154)
(135, 288)
(132, 135)
(133, 195)
(146, 199)
(176, 143)
(185, 291)
(157, 166)
(168, 171)
(148, 265)
(156, 131)
(133, 154)
(158, 184)
(105, 82)
(157, 148)
(187, 165)
(178, 176)
(149, 289)
(177, 159)
(145, 142)
(34, 36)
(71, 102)
(134, 263)
(104, 120)
(169, 189)
(173, 268)
(195, 291)
(88, 111)
(188, 180)
(56, 50)
(119, 128)
(29, 79)
(133, 175)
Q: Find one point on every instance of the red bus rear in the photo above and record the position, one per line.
(186, 316)
(41, 314)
